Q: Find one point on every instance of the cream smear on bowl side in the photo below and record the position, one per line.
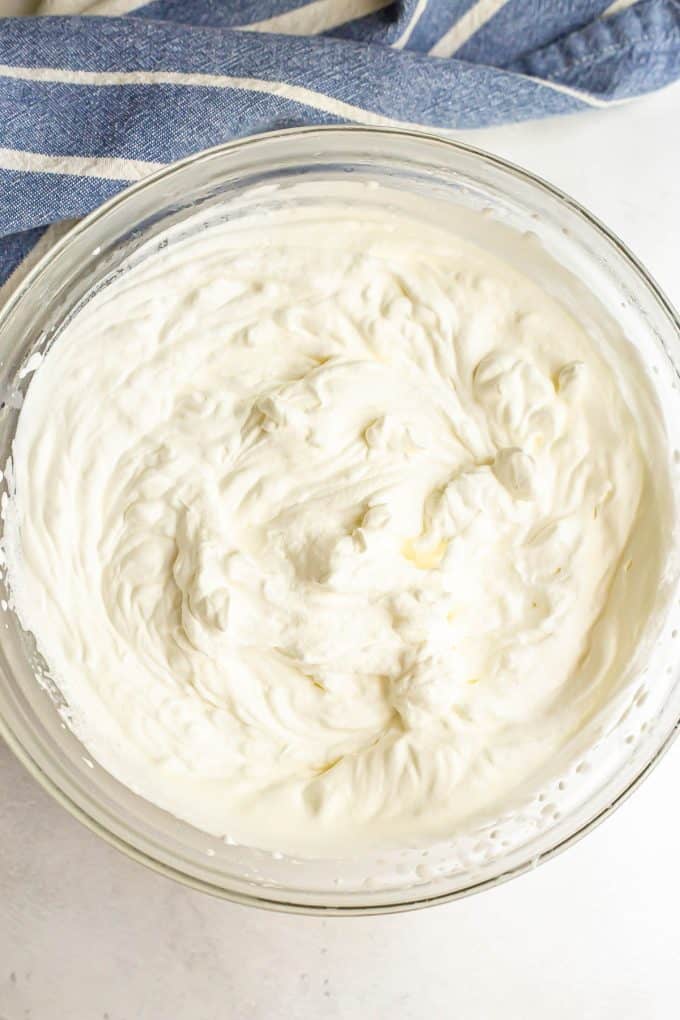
(331, 529)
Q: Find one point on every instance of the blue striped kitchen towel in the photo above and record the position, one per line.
(96, 95)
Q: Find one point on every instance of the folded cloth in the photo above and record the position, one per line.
(109, 91)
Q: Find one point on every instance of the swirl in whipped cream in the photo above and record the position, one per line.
(328, 529)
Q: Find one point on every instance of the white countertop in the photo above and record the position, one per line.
(86, 934)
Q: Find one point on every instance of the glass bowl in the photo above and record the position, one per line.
(601, 281)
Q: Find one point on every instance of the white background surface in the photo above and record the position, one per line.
(86, 934)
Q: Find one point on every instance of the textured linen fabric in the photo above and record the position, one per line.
(95, 95)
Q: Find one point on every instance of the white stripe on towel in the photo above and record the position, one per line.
(294, 93)
(110, 167)
(618, 5)
(466, 27)
(585, 97)
(415, 18)
(97, 7)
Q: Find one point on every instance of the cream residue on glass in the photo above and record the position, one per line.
(333, 530)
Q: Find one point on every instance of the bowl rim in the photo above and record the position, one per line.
(146, 858)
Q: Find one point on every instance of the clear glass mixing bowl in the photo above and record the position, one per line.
(603, 281)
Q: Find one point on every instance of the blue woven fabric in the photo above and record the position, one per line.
(89, 103)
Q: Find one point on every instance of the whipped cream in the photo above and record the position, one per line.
(332, 529)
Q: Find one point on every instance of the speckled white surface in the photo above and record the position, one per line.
(86, 934)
